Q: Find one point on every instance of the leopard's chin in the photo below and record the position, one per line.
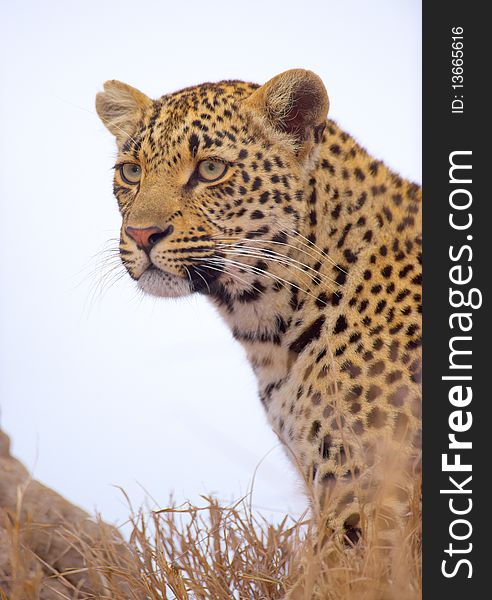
(156, 282)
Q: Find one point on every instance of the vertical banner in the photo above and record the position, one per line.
(457, 271)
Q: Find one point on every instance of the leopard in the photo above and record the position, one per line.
(308, 247)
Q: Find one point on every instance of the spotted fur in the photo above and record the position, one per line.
(309, 248)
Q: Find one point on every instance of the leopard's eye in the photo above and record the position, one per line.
(131, 173)
(211, 170)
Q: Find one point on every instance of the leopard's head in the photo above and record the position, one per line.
(204, 173)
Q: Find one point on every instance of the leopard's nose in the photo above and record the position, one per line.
(147, 237)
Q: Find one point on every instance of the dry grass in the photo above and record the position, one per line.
(221, 552)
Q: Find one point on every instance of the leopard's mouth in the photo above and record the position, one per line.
(203, 277)
(157, 282)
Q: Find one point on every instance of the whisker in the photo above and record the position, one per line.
(241, 241)
(304, 241)
(107, 268)
(189, 275)
(256, 270)
(296, 248)
(229, 274)
(265, 259)
(311, 244)
(286, 261)
(206, 282)
(107, 280)
(257, 252)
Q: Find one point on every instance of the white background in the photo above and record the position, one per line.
(112, 389)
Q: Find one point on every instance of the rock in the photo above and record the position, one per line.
(43, 535)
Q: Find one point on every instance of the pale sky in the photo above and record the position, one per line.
(100, 390)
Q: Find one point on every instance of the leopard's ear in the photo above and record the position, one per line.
(294, 103)
(120, 107)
